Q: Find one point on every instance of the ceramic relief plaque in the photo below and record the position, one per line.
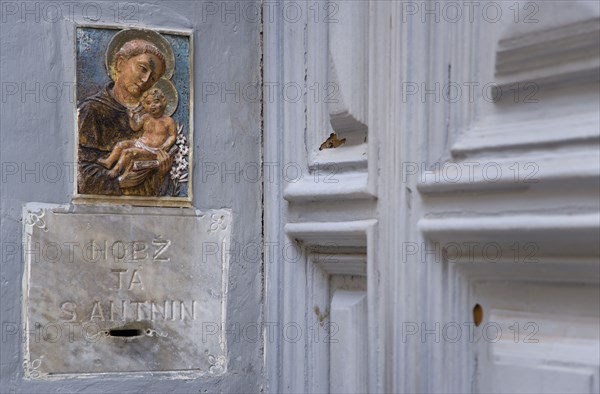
(134, 116)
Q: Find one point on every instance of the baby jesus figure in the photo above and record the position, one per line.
(159, 134)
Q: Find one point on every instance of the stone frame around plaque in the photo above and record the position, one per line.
(140, 175)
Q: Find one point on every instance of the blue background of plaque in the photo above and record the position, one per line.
(92, 75)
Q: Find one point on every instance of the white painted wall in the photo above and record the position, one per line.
(38, 132)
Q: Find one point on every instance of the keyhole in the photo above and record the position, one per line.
(477, 314)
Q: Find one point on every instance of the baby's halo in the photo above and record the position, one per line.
(171, 95)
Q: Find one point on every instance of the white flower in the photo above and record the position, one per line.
(179, 171)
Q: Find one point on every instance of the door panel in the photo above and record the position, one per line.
(516, 236)
(478, 176)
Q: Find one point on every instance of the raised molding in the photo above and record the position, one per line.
(549, 171)
(338, 250)
(539, 132)
(316, 308)
(556, 58)
(570, 270)
(340, 234)
(341, 263)
(558, 133)
(419, 131)
(329, 187)
(553, 235)
(554, 55)
(336, 245)
(348, 349)
(552, 345)
(274, 364)
(556, 349)
(348, 66)
(337, 81)
(348, 157)
(457, 228)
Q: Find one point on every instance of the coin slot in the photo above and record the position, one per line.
(125, 332)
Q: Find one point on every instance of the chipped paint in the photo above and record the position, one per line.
(332, 142)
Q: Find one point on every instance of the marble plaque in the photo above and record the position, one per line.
(123, 289)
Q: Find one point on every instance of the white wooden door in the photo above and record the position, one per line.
(450, 243)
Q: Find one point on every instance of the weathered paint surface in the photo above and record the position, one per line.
(36, 152)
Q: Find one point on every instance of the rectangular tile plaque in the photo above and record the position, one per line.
(134, 134)
(119, 289)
